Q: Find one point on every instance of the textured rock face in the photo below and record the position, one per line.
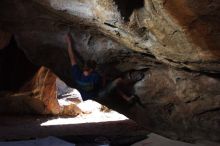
(183, 34)
(42, 88)
(36, 96)
(33, 98)
(181, 101)
(177, 98)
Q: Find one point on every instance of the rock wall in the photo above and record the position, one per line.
(185, 38)
(180, 101)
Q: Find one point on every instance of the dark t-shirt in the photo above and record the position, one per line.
(88, 86)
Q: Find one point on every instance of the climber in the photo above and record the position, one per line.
(123, 86)
(90, 83)
(87, 80)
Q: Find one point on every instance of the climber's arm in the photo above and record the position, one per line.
(69, 48)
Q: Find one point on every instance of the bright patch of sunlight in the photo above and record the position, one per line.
(95, 116)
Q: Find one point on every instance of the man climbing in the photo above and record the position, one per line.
(90, 83)
(87, 80)
(123, 86)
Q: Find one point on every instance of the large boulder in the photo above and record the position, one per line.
(36, 96)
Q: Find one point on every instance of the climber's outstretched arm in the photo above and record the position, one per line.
(70, 51)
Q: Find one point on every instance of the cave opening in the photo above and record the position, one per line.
(126, 7)
(15, 68)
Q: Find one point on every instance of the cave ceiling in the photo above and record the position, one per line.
(181, 34)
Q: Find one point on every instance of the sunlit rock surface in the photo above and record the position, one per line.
(175, 43)
(36, 96)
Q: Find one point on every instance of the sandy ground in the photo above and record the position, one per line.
(81, 129)
(124, 132)
(84, 129)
